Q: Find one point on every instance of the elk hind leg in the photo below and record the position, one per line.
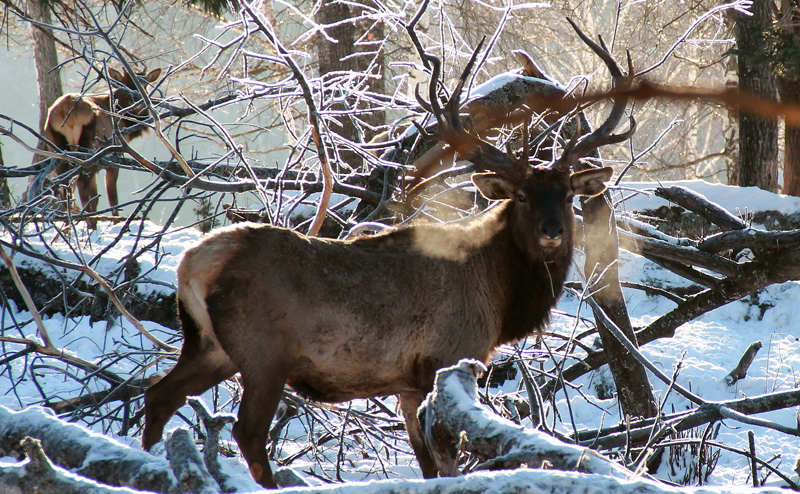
(201, 365)
(409, 403)
(263, 390)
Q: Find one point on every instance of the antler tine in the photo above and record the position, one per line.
(454, 103)
(603, 134)
(469, 146)
(433, 106)
(599, 50)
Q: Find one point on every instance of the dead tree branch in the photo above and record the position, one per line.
(39, 474)
(740, 371)
(186, 462)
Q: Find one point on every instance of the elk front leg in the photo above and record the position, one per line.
(112, 173)
(87, 190)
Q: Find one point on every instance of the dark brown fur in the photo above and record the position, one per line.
(374, 316)
(76, 121)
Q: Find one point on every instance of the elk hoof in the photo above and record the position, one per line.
(256, 471)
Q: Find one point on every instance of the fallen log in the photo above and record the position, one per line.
(38, 474)
(452, 418)
(82, 452)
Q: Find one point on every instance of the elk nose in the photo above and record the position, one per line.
(552, 229)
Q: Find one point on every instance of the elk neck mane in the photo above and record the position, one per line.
(527, 284)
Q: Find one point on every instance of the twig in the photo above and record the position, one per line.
(614, 329)
(213, 424)
(751, 440)
(327, 174)
(26, 296)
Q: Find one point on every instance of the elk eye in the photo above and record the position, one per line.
(521, 198)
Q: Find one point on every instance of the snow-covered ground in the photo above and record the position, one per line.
(707, 349)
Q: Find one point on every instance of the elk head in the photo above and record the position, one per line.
(541, 196)
(541, 216)
(131, 110)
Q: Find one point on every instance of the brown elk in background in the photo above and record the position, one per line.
(377, 315)
(75, 121)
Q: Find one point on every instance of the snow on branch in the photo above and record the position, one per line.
(39, 474)
(83, 452)
(452, 415)
(452, 411)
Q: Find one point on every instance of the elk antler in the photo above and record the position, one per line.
(451, 130)
(603, 134)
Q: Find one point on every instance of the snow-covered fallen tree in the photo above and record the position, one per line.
(453, 418)
(85, 453)
(451, 413)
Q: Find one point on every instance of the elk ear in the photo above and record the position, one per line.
(494, 187)
(116, 75)
(153, 75)
(590, 182)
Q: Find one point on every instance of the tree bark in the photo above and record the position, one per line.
(38, 474)
(788, 79)
(791, 160)
(352, 38)
(5, 192)
(46, 59)
(53, 296)
(186, 462)
(758, 138)
(740, 371)
(601, 270)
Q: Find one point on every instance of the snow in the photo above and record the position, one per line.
(501, 80)
(496, 83)
(735, 199)
(105, 253)
(706, 349)
(524, 480)
(98, 447)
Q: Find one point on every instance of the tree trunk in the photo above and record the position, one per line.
(352, 37)
(601, 245)
(788, 80)
(791, 160)
(53, 296)
(758, 138)
(46, 59)
(5, 192)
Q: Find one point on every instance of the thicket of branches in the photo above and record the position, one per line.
(265, 53)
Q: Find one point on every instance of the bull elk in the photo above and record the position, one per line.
(376, 315)
(75, 121)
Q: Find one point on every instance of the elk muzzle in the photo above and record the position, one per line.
(551, 234)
